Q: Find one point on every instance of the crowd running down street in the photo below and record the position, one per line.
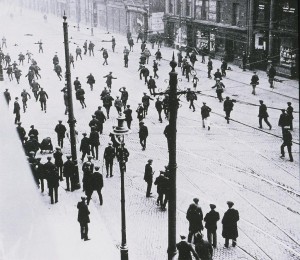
(213, 94)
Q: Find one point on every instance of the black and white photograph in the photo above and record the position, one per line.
(149, 130)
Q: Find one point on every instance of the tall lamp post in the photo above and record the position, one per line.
(72, 120)
(1, 71)
(119, 132)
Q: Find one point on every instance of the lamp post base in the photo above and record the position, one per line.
(124, 252)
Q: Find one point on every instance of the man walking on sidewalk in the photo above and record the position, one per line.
(148, 177)
(83, 218)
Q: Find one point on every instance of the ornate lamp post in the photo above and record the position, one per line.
(119, 132)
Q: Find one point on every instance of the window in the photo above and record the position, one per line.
(219, 12)
(201, 9)
(235, 13)
(188, 7)
(171, 6)
(178, 11)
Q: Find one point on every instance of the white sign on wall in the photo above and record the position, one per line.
(157, 24)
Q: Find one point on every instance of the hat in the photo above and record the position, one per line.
(110, 143)
(97, 167)
(182, 236)
(57, 148)
(261, 101)
(49, 157)
(141, 123)
(196, 200)
(31, 152)
(282, 110)
(150, 160)
(204, 103)
(89, 156)
(84, 134)
(69, 156)
(32, 126)
(289, 103)
(93, 116)
(32, 135)
(19, 123)
(83, 198)
(287, 127)
(230, 203)
(217, 79)
(227, 97)
(212, 206)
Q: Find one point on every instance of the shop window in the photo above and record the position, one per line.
(235, 13)
(219, 12)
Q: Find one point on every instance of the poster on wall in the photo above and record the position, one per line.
(157, 24)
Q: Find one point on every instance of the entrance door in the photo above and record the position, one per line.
(229, 50)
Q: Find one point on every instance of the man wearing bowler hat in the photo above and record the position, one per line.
(229, 221)
(211, 219)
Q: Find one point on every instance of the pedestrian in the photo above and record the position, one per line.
(71, 59)
(9, 71)
(41, 173)
(105, 56)
(118, 104)
(124, 96)
(205, 110)
(155, 69)
(195, 82)
(254, 82)
(126, 54)
(128, 116)
(3, 42)
(122, 155)
(40, 43)
(84, 146)
(146, 103)
(76, 84)
(263, 114)
(25, 95)
(244, 61)
(91, 48)
(18, 75)
(43, 99)
(91, 80)
(193, 58)
(203, 248)
(140, 112)
(179, 58)
(59, 162)
(85, 47)
(34, 132)
(209, 67)
(21, 58)
(60, 130)
(7, 59)
(223, 67)
(53, 184)
(55, 60)
(229, 221)
(109, 155)
(113, 43)
(80, 96)
(58, 71)
(203, 53)
(83, 218)
(107, 103)
(159, 108)
(87, 170)
(143, 46)
(195, 216)
(101, 118)
(161, 181)
(35, 87)
(218, 75)
(29, 54)
(143, 134)
(284, 120)
(69, 169)
(109, 77)
(289, 112)
(30, 76)
(228, 107)
(21, 132)
(147, 54)
(158, 55)
(166, 106)
(271, 74)
(211, 218)
(219, 89)
(78, 52)
(148, 177)
(185, 249)
(94, 142)
(16, 111)
(7, 96)
(95, 184)
(190, 97)
(145, 73)
(130, 43)
(287, 141)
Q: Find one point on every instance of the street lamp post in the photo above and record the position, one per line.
(1, 71)
(119, 132)
(72, 120)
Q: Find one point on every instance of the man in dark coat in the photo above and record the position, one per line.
(185, 249)
(43, 98)
(228, 106)
(146, 103)
(58, 161)
(95, 184)
(77, 84)
(195, 216)
(85, 146)
(284, 120)
(53, 184)
(83, 218)
(94, 123)
(90, 80)
(122, 155)
(203, 248)
(287, 141)
(211, 219)
(69, 172)
(124, 96)
(271, 74)
(263, 114)
(21, 131)
(205, 110)
(209, 68)
(159, 107)
(107, 103)
(7, 96)
(128, 116)
(289, 112)
(94, 142)
(60, 130)
(140, 112)
(34, 132)
(219, 89)
(244, 61)
(16, 111)
(161, 182)
(101, 118)
(229, 221)
(143, 134)
(190, 97)
(80, 96)
(109, 155)
(148, 177)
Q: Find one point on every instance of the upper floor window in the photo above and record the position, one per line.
(178, 10)
(219, 11)
(201, 9)
(188, 7)
(235, 13)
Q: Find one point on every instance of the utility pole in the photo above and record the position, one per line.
(271, 28)
(1, 71)
(72, 120)
(173, 107)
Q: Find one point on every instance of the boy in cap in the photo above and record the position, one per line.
(211, 219)
(229, 221)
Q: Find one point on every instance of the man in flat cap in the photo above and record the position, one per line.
(289, 112)
(195, 216)
(143, 134)
(17, 109)
(287, 141)
(203, 248)
(60, 130)
(95, 184)
(148, 177)
(284, 120)
(229, 221)
(34, 132)
(83, 218)
(85, 146)
(263, 114)
(109, 155)
(211, 219)
(185, 249)
(21, 131)
(69, 173)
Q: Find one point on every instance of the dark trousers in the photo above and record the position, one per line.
(159, 115)
(55, 191)
(105, 61)
(145, 112)
(93, 149)
(89, 196)
(18, 117)
(266, 121)
(227, 242)
(212, 237)
(149, 186)
(109, 167)
(143, 142)
(84, 230)
(209, 73)
(128, 123)
(84, 153)
(100, 128)
(68, 182)
(107, 111)
(219, 95)
(289, 148)
(160, 199)
(43, 105)
(192, 104)
(42, 186)
(60, 141)
(227, 113)
(78, 54)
